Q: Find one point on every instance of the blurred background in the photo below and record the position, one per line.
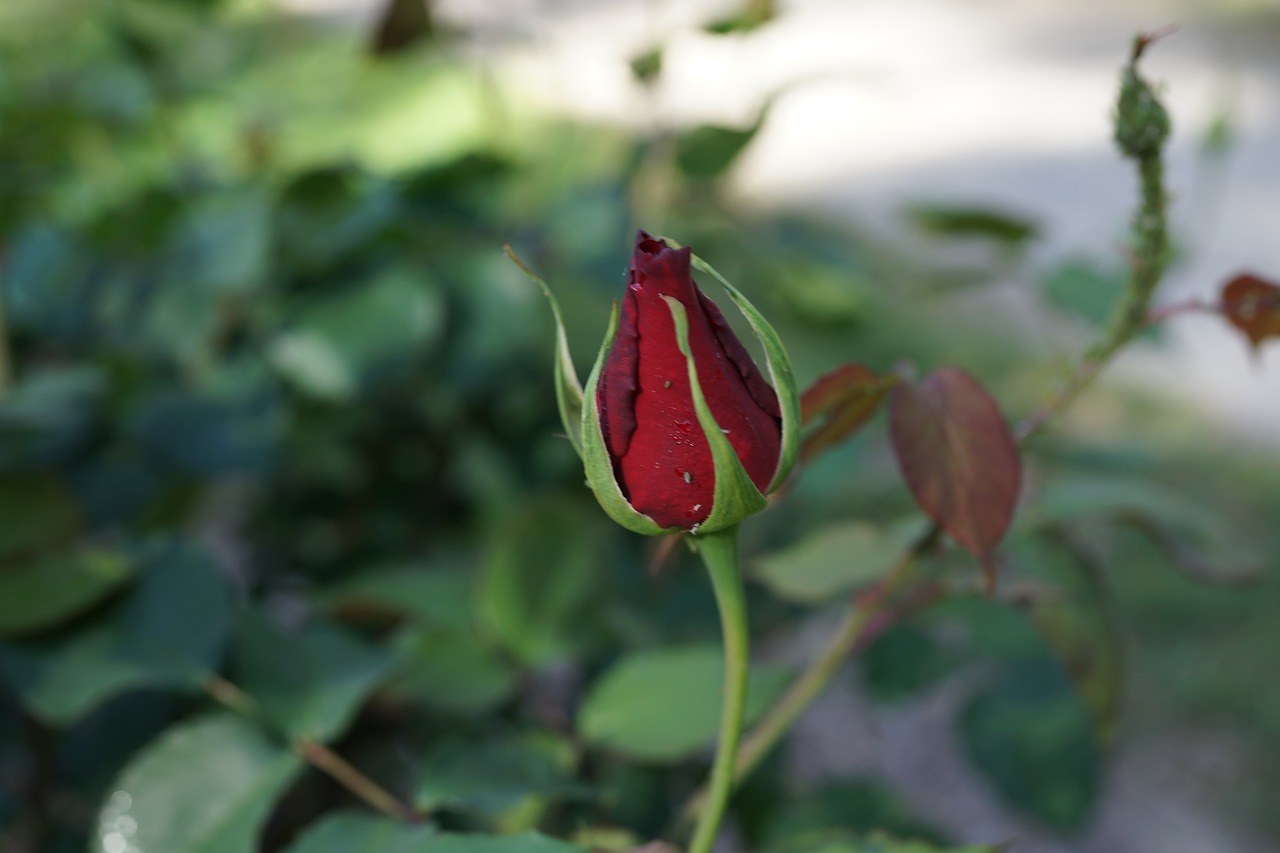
(277, 424)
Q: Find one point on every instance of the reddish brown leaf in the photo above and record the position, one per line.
(843, 399)
(959, 458)
(1252, 305)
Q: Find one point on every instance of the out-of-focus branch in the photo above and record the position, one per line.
(318, 755)
(1141, 131)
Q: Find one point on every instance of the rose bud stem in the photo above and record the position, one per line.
(719, 552)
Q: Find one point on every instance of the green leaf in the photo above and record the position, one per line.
(47, 591)
(835, 560)
(967, 222)
(449, 670)
(541, 582)
(735, 496)
(877, 843)
(706, 152)
(435, 596)
(903, 661)
(35, 512)
(1026, 729)
(491, 776)
(310, 682)
(361, 832)
(647, 65)
(208, 437)
(844, 806)
(1194, 539)
(205, 786)
(664, 705)
(528, 842)
(169, 631)
(225, 241)
(336, 345)
(1033, 738)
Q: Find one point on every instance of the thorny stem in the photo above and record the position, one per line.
(1142, 127)
(720, 554)
(318, 755)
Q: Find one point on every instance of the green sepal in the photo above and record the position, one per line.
(568, 388)
(595, 455)
(735, 497)
(780, 373)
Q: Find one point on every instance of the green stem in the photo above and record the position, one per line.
(720, 553)
(766, 734)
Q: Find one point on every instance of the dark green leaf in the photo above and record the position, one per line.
(35, 512)
(877, 843)
(853, 807)
(529, 842)
(205, 786)
(540, 584)
(708, 151)
(436, 596)
(492, 776)
(337, 343)
(904, 661)
(450, 670)
(1034, 740)
(361, 832)
(646, 67)
(961, 221)
(209, 437)
(43, 592)
(311, 682)
(1194, 539)
(169, 631)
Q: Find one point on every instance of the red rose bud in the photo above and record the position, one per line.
(659, 452)
(677, 428)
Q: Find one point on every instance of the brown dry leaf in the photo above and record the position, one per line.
(959, 459)
(1252, 305)
(844, 399)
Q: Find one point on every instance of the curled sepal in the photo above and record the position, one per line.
(779, 365)
(568, 388)
(735, 496)
(595, 455)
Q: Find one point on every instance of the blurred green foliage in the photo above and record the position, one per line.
(280, 437)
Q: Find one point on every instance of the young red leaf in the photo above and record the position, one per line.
(1252, 305)
(959, 458)
(844, 399)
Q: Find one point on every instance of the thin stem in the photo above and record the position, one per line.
(346, 775)
(858, 620)
(316, 754)
(720, 553)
